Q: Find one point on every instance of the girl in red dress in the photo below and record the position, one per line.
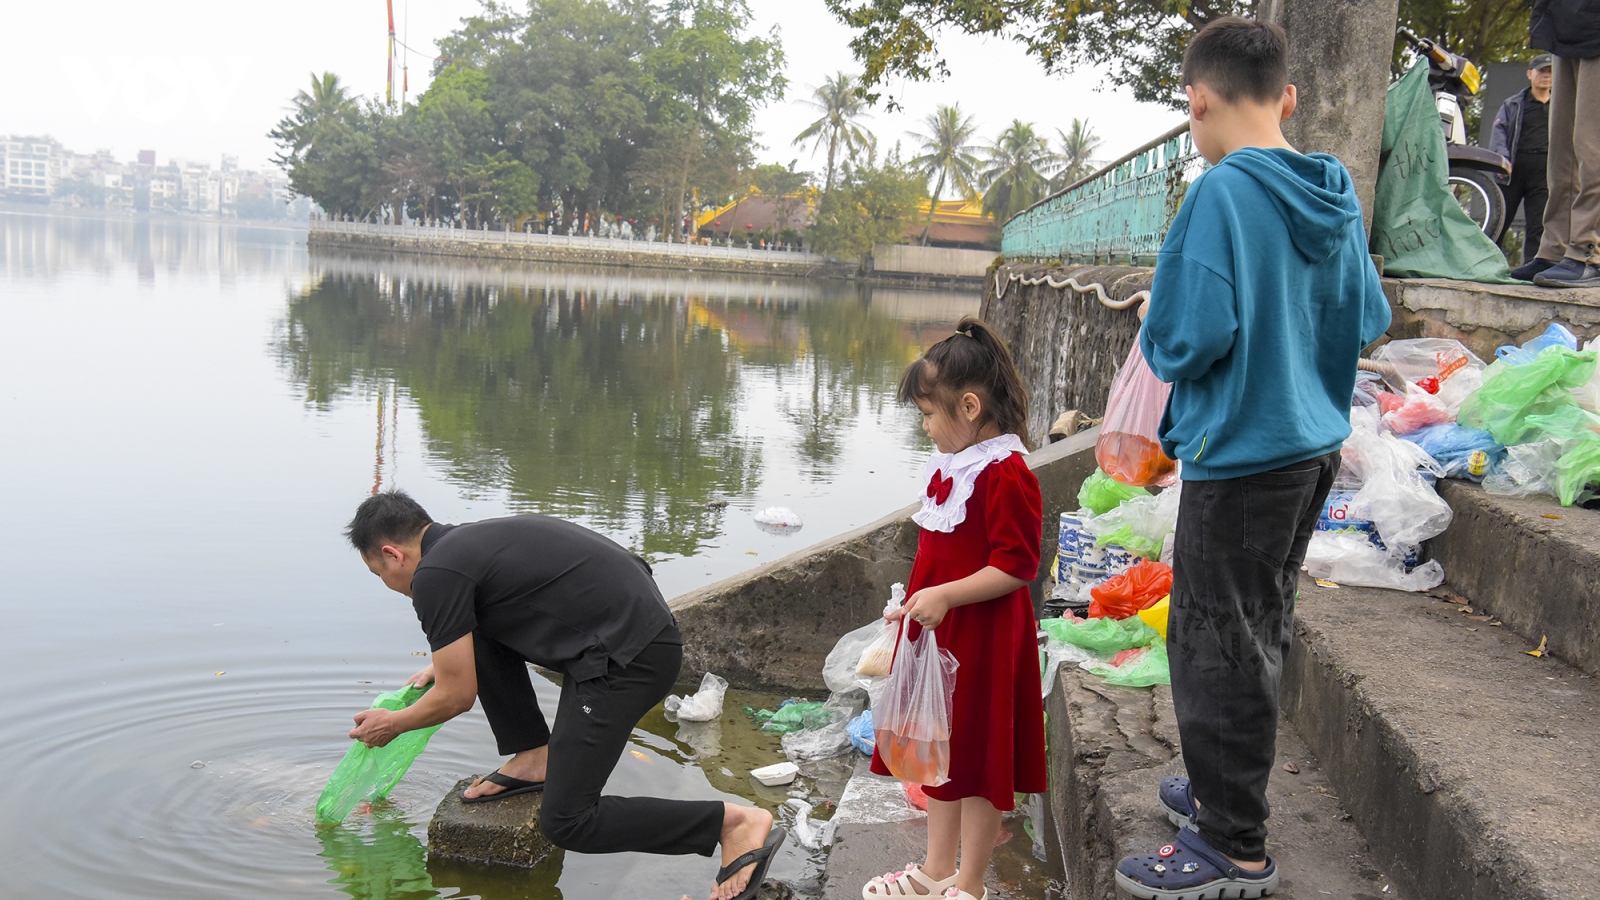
(977, 552)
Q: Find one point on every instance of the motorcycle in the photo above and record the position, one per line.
(1455, 81)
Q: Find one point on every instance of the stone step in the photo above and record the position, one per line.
(1111, 747)
(1533, 563)
(1469, 766)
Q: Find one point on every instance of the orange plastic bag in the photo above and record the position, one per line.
(1139, 588)
(911, 719)
(1129, 448)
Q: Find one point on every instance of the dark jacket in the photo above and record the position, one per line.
(1568, 28)
(1506, 135)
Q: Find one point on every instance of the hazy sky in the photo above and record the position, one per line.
(194, 79)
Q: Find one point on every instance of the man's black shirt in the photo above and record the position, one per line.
(1533, 141)
(561, 595)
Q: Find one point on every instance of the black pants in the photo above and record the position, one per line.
(593, 722)
(1528, 188)
(1237, 555)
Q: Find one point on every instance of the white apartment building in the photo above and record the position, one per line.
(31, 166)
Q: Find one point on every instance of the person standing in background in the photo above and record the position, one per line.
(1522, 134)
(1569, 253)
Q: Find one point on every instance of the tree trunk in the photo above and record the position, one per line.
(688, 158)
(833, 145)
(933, 204)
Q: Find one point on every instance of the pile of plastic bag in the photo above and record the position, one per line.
(1126, 652)
(1116, 527)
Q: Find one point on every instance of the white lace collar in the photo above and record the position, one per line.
(950, 479)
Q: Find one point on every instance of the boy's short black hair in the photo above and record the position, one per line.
(1240, 59)
(389, 517)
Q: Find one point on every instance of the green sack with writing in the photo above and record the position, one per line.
(370, 773)
(1418, 227)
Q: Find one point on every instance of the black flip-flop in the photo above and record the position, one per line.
(513, 787)
(761, 856)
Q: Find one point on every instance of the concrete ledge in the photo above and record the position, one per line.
(1540, 575)
(1469, 766)
(504, 832)
(1485, 316)
(771, 627)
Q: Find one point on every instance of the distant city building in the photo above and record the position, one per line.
(39, 170)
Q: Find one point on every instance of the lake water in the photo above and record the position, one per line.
(189, 414)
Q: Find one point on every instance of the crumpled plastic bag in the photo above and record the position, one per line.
(1394, 495)
(701, 706)
(794, 715)
(1142, 667)
(1456, 370)
(1140, 587)
(1099, 635)
(1461, 452)
(1101, 493)
(1528, 469)
(1129, 448)
(1352, 559)
(1139, 524)
(370, 773)
(1578, 430)
(1512, 393)
(1556, 335)
(860, 730)
(826, 733)
(1417, 410)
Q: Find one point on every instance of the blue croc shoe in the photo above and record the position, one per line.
(1177, 800)
(1188, 869)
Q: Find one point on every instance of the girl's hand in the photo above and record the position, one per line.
(927, 607)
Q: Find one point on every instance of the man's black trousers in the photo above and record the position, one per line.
(594, 719)
(1238, 550)
(1527, 187)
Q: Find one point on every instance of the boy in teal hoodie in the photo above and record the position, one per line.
(1264, 296)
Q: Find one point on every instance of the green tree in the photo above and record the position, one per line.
(326, 100)
(947, 156)
(713, 80)
(1014, 176)
(842, 107)
(1136, 44)
(871, 205)
(1078, 145)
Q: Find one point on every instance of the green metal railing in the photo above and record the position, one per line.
(1119, 214)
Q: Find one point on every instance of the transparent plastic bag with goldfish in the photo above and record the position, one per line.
(1129, 448)
(911, 720)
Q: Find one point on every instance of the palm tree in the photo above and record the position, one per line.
(1077, 152)
(327, 98)
(842, 108)
(947, 156)
(1015, 175)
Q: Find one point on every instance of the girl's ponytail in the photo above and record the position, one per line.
(974, 358)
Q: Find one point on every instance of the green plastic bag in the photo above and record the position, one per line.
(1418, 227)
(1510, 395)
(794, 717)
(1101, 493)
(1102, 635)
(370, 773)
(1149, 669)
(1125, 538)
(1578, 430)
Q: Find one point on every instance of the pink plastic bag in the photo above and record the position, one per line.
(1129, 448)
(1417, 411)
(911, 719)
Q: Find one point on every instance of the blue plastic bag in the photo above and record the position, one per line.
(1463, 452)
(1556, 335)
(860, 729)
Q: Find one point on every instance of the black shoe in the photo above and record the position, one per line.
(1568, 273)
(1532, 267)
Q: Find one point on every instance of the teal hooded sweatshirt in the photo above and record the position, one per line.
(1264, 296)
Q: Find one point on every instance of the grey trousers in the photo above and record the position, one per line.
(1572, 215)
(1236, 567)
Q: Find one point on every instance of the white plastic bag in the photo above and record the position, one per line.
(1400, 503)
(1588, 396)
(832, 739)
(842, 670)
(702, 706)
(1458, 370)
(879, 655)
(912, 718)
(1354, 560)
(1148, 519)
(1528, 469)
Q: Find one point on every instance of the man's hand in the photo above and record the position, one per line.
(927, 607)
(423, 678)
(376, 727)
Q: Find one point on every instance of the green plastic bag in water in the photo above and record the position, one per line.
(794, 717)
(1102, 635)
(370, 773)
(1511, 394)
(1101, 493)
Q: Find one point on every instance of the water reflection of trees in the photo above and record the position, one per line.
(610, 398)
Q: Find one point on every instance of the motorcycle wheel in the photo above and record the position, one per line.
(1480, 198)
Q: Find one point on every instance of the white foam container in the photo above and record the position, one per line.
(777, 774)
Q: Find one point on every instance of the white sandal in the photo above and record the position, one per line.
(898, 884)
(955, 893)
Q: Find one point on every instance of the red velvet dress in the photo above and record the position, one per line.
(997, 726)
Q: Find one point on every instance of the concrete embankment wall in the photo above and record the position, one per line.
(792, 265)
(773, 626)
(931, 262)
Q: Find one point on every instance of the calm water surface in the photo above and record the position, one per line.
(190, 412)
